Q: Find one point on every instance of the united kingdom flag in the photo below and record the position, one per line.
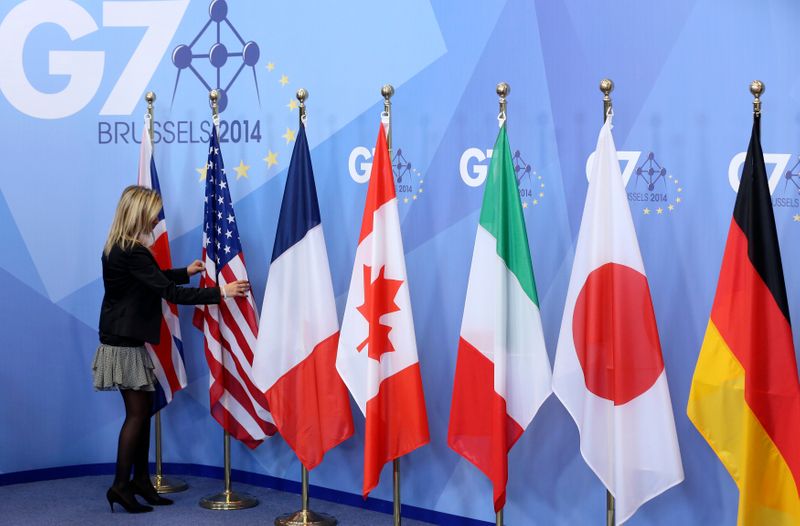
(230, 329)
(167, 354)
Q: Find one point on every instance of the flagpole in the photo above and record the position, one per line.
(161, 483)
(228, 499)
(606, 87)
(503, 90)
(304, 517)
(387, 91)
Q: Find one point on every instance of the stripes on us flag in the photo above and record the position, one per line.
(230, 329)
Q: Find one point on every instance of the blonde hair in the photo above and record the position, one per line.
(137, 209)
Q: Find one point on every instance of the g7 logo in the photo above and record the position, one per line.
(630, 158)
(474, 157)
(84, 68)
(780, 160)
(359, 171)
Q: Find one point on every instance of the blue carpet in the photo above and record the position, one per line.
(81, 500)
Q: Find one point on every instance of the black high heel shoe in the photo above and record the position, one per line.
(125, 499)
(149, 493)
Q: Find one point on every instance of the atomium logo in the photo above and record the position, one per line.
(654, 191)
(409, 182)
(474, 168)
(219, 55)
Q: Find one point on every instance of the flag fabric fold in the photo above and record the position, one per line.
(230, 329)
(609, 371)
(502, 371)
(295, 358)
(745, 395)
(167, 354)
(377, 354)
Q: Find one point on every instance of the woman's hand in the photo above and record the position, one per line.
(195, 267)
(236, 288)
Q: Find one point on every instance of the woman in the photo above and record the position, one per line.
(130, 316)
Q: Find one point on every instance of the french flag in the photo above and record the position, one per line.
(295, 357)
(167, 354)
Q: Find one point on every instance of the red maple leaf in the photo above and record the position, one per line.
(378, 300)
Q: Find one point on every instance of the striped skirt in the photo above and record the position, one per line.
(116, 368)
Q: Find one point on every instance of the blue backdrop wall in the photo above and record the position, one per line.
(74, 76)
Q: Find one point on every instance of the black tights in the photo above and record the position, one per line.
(133, 449)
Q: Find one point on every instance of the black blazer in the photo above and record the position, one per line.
(134, 287)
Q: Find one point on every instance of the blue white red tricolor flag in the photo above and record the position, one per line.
(230, 329)
(295, 363)
(167, 354)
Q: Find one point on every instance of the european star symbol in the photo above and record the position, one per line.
(414, 197)
(202, 171)
(405, 199)
(659, 210)
(289, 135)
(797, 217)
(646, 211)
(270, 66)
(284, 80)
(680, 189)
(271, 159)
(241, 170)
(671, 207)
(542, 185)
(420, 190)
(677, 199)
(292, 105)
(524, 204)
(541, 194)
(536, 201)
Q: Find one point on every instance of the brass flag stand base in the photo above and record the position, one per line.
(228, 499)
(168, 485)
(161, 483)
(305, 517)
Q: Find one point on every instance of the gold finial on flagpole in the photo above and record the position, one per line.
(757, 89)
(213, 97)
(386, 92)
(606, 86)
(150, 97)
(302, 95)
(503, 90)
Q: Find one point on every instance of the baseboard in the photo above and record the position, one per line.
(255, 479)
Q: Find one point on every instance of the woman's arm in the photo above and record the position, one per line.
(179, 275)
(144, 268)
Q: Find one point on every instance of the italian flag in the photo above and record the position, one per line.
(502, 373)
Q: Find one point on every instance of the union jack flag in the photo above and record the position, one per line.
(230, 329)
(167, 355)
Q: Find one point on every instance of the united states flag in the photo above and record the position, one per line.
(230, 328)
(167, 355)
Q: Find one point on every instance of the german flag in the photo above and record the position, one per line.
(745, 397)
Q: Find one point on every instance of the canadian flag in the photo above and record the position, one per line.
(377, 355)
(609, 372)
